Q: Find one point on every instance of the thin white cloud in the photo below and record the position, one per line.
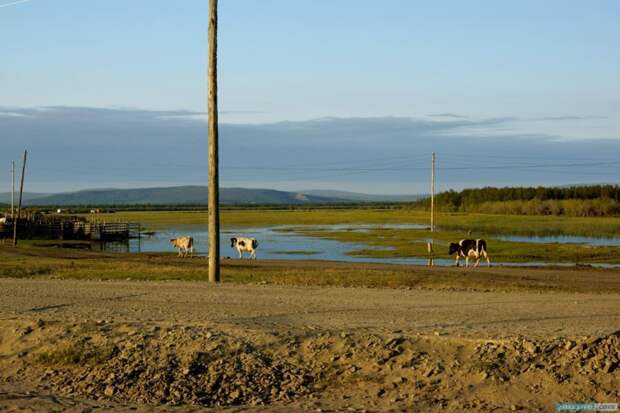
(14, 3)
(447, 115)
(15, 114)
(560, 118)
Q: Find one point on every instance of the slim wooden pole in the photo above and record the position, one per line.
(12, 189)
(433, 194)
(19, 205)
(429, 247)
(214, 213)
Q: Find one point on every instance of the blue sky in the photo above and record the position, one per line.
(546, 68)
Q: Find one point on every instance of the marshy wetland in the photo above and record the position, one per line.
(398, 236)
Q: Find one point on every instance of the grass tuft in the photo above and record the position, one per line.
(77, 354)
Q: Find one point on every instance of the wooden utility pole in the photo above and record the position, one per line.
(12, 189)
(433, 194)
(19, 205)
(214, 212)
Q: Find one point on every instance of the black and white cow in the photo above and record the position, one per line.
(466, 248)
(244, 244)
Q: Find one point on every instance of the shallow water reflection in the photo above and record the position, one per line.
(286, 243)
(562, 239)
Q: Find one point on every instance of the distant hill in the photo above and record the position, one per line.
(185, 195)
(175, 195)
(359, 197)
(5, 197)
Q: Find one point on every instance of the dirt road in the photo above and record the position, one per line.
(171, 345)
(297, 309)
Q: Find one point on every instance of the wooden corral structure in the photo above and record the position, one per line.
(47, 227)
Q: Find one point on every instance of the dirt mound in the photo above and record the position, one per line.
(560, 358)
(172, 365)
(187, 366)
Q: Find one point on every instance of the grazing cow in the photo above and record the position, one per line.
(244, 244)
(470, 248)
(184, 245)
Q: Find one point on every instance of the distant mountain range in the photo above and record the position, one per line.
(358, 197)
(5, 197)
(184, 195)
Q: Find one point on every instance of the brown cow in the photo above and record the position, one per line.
(183, 244)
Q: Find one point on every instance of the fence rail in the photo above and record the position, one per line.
(71, 230)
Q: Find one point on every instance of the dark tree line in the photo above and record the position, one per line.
(591, 200)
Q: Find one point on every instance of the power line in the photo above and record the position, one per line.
(535, 166)
(383, 166)
(302, 169)
(476, 157)
(322, 164)
(401, 166)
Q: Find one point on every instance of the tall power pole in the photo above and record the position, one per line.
(433, 193)
(214, 212)
(19, 205)
(12, 189)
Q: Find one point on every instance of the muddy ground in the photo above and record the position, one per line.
(186, 346)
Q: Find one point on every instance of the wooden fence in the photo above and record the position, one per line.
(71, 230)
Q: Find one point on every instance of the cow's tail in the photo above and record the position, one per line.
(482, 246)
(254, 243)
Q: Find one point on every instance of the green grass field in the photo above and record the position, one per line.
(478, 223)
(34, 262)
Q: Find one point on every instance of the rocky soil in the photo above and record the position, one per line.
(52, 359)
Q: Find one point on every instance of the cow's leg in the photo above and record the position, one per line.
(179, 254)
(477, 257)
(240, 254)
(467, 261)
(253, 254)
(457, 260)
(486, 256)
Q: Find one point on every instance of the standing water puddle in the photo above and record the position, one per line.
(562, 239)
(279, 243)
(287, 243)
